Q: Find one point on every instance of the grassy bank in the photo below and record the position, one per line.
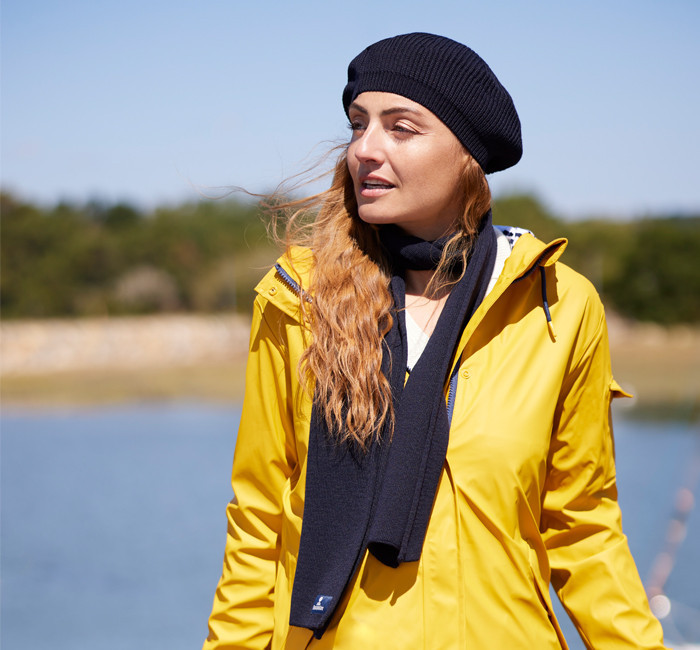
(662, 369)
(660, 366)
(215, 382)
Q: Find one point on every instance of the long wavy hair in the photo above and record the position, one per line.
(350, 310)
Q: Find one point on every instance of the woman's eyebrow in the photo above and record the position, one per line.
(387, 111)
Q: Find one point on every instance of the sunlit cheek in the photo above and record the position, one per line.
(352, 169)
(355, 182)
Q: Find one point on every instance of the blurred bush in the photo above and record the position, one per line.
(99, 259)
(146, 289)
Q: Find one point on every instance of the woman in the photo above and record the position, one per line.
(419, 453)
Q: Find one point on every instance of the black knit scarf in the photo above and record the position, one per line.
(380, 500)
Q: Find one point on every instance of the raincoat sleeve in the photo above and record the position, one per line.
(242, 614)
(592, 568)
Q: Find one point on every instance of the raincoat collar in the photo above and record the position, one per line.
(281, 285)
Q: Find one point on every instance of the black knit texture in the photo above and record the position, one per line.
(450, 80)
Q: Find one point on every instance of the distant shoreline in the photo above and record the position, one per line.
(93, 362)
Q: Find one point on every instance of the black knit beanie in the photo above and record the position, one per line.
(451, 81)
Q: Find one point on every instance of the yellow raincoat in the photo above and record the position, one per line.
(527, 493)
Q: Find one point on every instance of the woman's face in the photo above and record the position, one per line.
(405, 164)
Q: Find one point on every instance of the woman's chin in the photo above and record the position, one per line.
(373, 218)
(372, 214)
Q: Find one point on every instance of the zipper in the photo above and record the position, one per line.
(451, 395)
(290, 283)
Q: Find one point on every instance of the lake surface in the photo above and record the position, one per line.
(113, 523)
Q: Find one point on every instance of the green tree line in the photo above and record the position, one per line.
(95, 259)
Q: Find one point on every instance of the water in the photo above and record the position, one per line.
(113, 522)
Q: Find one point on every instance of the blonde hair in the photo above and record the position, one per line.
(351, 307)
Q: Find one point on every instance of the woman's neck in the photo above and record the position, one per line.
(417, 281)
(424, 310)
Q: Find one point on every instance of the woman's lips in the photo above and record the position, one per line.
(372, 187)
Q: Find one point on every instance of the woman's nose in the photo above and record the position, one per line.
(369, 147)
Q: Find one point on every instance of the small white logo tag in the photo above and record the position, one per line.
(321, 604)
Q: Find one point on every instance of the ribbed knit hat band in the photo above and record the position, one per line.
(451, 81)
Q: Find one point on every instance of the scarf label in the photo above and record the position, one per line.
(321, 604)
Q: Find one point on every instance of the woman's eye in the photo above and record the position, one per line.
(402, 128)
(355, 126)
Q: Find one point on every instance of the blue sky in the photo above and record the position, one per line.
(147, 101)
